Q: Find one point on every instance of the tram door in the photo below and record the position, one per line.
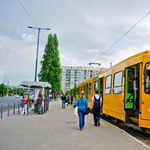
(100, 87)
(145, 103)
(128, 89)
(132, 78)
(86, 90)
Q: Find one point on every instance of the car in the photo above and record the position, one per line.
(16, 96)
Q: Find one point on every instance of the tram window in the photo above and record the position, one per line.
(108, 85)
(84, 88)
(90, 88)
(130, 82)
(101, 86)
(81, 88)
(117, 82)
(147, 78)
(95, 85)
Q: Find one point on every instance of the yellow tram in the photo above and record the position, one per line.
(125, 91)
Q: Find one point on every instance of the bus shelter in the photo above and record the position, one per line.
(32, 88)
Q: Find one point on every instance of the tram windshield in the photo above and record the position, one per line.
(147, 78)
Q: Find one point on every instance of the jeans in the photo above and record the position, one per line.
(63, 103)
(96, 116)
(24, 110)
(39, 108)
(81, 118)
(71, 102)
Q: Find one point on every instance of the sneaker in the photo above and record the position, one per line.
(98, 123)
(95, 125)
(80, 129)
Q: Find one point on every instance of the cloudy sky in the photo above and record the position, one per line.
(85, 30)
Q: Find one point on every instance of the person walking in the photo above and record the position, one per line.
(55, 98)
(25, 101)
(81, 103)
(63, 98)
(67, 100)
(71, 99)
(96, 103)
(39, 100)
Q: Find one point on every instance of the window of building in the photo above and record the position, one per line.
(90, 85)
(108, 84)
(117, 82)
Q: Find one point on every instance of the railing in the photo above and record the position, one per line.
(16, 105)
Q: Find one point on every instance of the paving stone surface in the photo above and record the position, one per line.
(58, 129)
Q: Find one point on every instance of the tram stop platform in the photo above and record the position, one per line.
(58, 129)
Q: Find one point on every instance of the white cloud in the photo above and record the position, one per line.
(18, 58)
(92, 50)
(84, 33)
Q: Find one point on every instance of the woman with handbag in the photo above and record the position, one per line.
(82, 103)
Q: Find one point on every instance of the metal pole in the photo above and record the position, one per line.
(4, 84)
(44, 106)
(7, 86)
(2, 110)
(8, 108)
(18, 106)
(37, 55)
(14, 108)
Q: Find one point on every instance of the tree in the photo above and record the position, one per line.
(50, 70)
(73, 91)
(57, 69)
(3, 87)
(67, 92)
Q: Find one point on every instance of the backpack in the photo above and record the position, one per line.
(96, 104)
(21, 103)
(63, 97)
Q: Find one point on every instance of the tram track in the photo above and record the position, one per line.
(145, 138)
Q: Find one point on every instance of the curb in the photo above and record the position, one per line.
(143, 144)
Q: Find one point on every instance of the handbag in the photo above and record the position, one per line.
(87, 110)
(76, 111)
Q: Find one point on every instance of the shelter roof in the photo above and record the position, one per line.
(33, 84)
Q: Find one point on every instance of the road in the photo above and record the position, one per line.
(11, 101)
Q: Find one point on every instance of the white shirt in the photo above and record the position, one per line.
(97, 97)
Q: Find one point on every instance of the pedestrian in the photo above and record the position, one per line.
(67, 100)
(25, 101)
(82, 103)
(55, 98)
(71, 99)
(96, 103)
(39, 101)
(63, 98)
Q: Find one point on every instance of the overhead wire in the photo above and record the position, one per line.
(32, 20)
(30, 17)
(122, 36)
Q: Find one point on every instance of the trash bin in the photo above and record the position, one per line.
(35, 108)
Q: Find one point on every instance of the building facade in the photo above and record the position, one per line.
(72, 76)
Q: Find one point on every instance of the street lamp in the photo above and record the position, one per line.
(37, 48)
(4, 81)
(94, 64)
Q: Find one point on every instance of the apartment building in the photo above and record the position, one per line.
(71, 76)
